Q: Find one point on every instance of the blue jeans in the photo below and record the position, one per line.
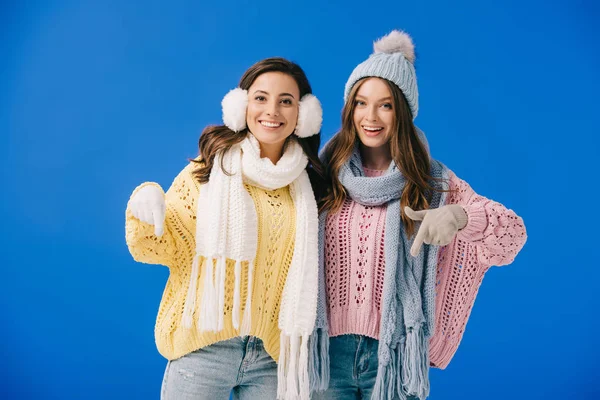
(353, 368)
(239, 366)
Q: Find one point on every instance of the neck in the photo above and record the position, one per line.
(376, 157)
(272, 151)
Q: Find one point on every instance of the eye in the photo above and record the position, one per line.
(359, 103)
(387, 106)
(260, 98)
(287, 102)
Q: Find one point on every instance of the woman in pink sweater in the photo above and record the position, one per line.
(406, 242)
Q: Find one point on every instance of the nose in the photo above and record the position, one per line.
(372, 114)
(273, 109)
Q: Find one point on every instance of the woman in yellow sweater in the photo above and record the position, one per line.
(238, 231)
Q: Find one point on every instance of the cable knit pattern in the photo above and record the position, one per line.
(493, 236)
(175, 249)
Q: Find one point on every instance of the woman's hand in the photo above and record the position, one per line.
(438, 226)
(148, 205)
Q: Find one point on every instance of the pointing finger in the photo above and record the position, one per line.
(158, 216)
(419, 239)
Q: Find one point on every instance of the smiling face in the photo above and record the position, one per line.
(272, 114)
(374, 116)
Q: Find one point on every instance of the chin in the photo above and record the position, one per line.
(373, 142)
(269, 138)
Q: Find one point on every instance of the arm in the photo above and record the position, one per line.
(493, 235)
(179, 223)
(497, 233)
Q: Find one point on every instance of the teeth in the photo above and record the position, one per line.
(270, 124)
(371, 129)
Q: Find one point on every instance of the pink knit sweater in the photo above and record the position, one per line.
(354, 263)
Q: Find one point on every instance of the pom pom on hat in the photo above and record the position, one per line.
(396, 42)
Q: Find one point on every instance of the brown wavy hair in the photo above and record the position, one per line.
(407, 151)
(217, 138)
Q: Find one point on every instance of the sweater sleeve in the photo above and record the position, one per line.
(493, 236)
(497, 233)
(179, 227)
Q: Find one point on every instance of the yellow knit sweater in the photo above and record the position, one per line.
(176, 248)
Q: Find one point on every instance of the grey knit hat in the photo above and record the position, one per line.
(392, 59)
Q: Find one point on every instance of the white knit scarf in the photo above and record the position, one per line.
(227, 228)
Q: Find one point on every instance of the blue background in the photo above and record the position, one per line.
(97, 97)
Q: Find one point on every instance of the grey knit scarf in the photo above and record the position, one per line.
(408, 299)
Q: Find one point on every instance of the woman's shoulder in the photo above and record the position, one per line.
(186, 177)
(193, 165)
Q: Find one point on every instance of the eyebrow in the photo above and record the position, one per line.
(282, 94)
(382, 99)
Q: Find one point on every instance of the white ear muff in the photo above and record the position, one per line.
(310, 116)
(234, 107)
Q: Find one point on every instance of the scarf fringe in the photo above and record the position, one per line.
(212, 313)
(415, 363)
(282, 366)
(406, 374)
(247, 320)
(235, 317)
(190, 299)
(385, 383)
(293, 380)
(292, 377)
(303, 379)
(208, 317)
(397, 355)
(318, 366)
(220, 292)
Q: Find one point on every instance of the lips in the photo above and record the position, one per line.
(271, 124)
(372, 130)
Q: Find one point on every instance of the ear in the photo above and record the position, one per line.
(234, 107)
(310, 116)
